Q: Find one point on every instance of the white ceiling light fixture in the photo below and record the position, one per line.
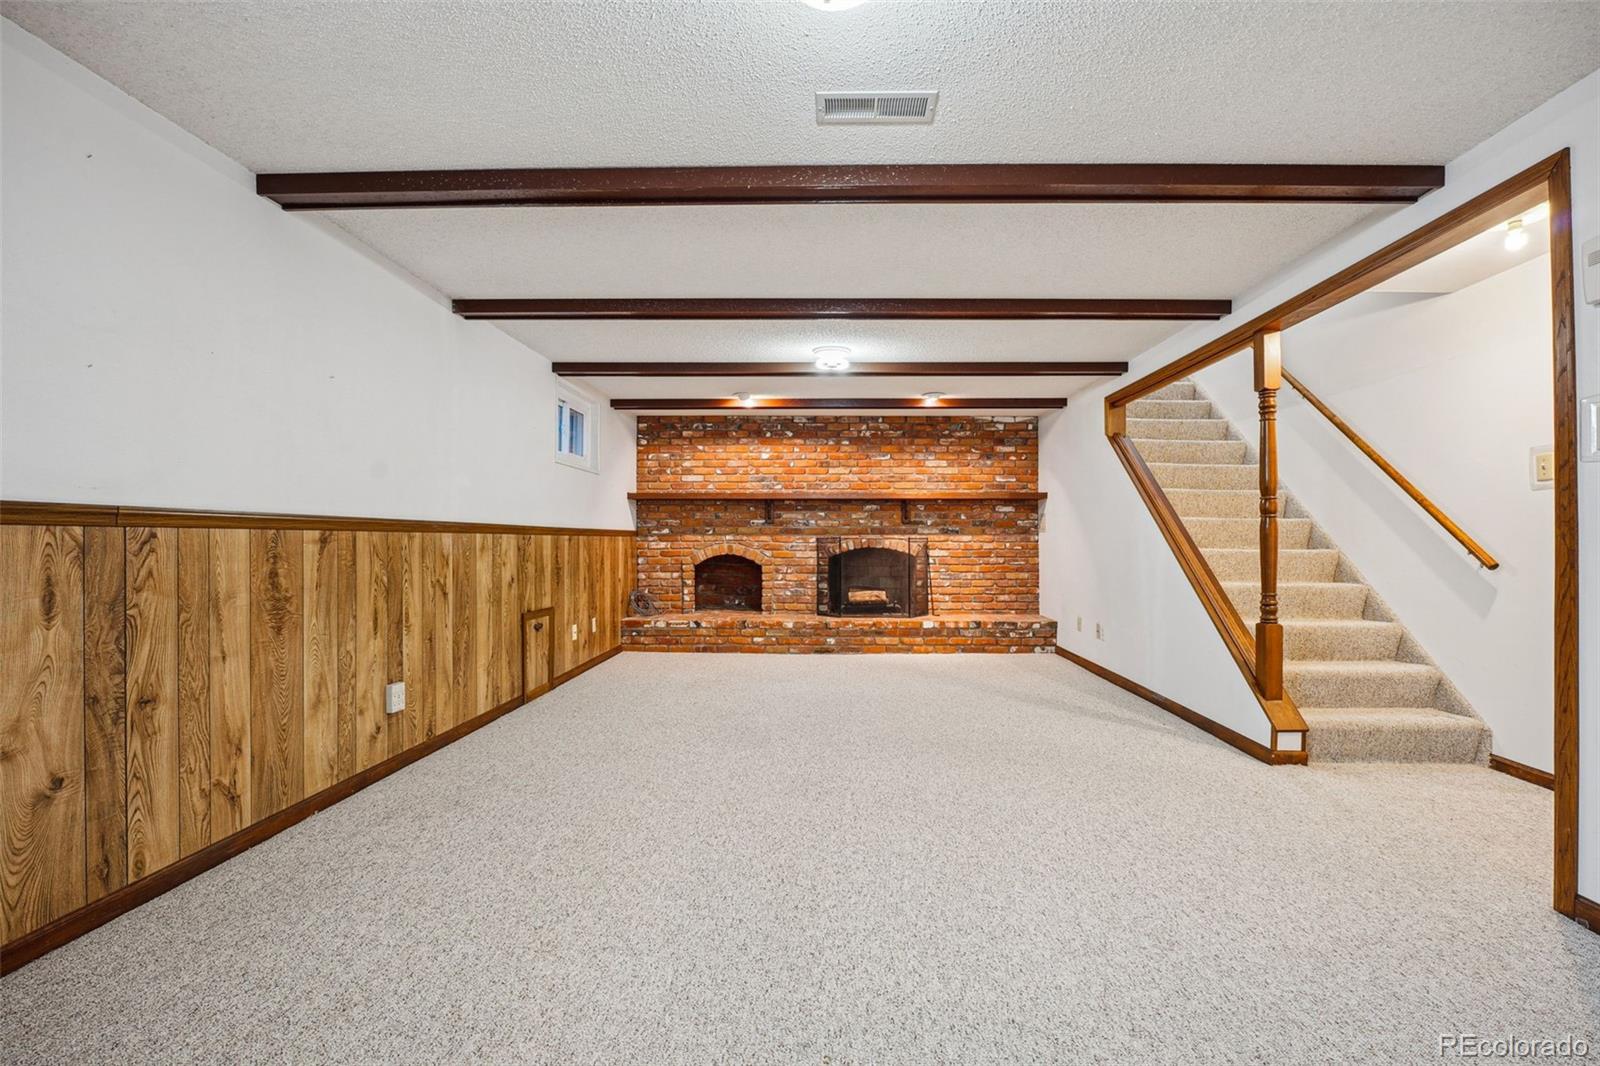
(834, 5)
(745, 399)
(931, 399)
(832, 357)
(1516, 236)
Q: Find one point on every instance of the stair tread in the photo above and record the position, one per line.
(1367, 716)
(1349, 623)
(1295, 584)
(1385, 667)
(1281, 551)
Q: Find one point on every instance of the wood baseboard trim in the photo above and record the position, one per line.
(1522, 771)
(30, 946)
(1586, 912)
(1252, 748)
(30, 513)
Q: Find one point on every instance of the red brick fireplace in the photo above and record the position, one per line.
(785, 533)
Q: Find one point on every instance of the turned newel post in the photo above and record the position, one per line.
(1269, 632)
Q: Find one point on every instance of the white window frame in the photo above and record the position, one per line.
(567, 400)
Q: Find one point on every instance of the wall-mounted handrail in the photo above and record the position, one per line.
(1476, 550)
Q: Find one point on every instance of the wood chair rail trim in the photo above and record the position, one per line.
(30, 513)
(30, 946)
(872, 183)
(1253, 748)
(1450, 525)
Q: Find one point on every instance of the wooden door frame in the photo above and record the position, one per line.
(1550, 180)
(549, 615)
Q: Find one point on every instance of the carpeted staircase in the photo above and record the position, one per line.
(1364, 685)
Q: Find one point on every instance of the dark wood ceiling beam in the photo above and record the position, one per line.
(945, 309)
(834, 403)
(925, 183)
(867, 370)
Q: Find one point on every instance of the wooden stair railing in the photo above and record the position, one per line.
(1258, 657)
(1476, 550)
(1268, 351)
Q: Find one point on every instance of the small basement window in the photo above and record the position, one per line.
(575, 444)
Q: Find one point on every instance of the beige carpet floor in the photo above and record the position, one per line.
(717, 858)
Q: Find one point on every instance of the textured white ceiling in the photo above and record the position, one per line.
(353, 85)
(787, 341)
(1126, 251)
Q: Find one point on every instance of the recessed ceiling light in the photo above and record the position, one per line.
(834, 5)
(1516, 236)
(932, 399)
(832, 357)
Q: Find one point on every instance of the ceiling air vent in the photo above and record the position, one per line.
(876, 108)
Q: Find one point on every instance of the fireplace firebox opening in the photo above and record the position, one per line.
(727, 583)
(872, 579)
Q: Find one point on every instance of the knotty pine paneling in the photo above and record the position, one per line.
(41, 724)
(165, 687)
(194, 690)
(105, 716)
(229, 617)
(152, 641)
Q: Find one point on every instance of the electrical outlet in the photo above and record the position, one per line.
(394, 697)
(594, 627)
(574, 631)
(1080, 623)
(1099, 632)
(1542, 467)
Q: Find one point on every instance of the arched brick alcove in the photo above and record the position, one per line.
(727, 576)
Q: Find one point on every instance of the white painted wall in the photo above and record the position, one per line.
(171, 339)
(1453, 389)
(1101, 557)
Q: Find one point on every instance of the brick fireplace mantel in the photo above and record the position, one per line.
(765, 489)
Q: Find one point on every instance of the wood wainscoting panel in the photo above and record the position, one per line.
(319, 577)
(169, 687)
(463, 625)
(230, 680)
(41, 725)
(105, 710)
(277, 692)
(152, 626)
(194, 690)
(508, 622)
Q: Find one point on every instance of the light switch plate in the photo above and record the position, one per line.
(1589, 429)
(394, 697)
(1591, 271)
